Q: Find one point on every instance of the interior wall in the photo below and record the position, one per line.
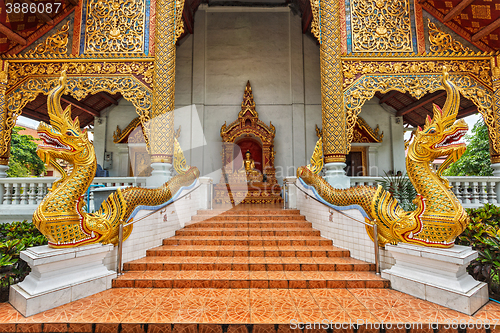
(230, 46)
(391, 152)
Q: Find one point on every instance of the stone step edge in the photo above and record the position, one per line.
(187, 241)
(241, 253)
(245, 284)
(361, 267)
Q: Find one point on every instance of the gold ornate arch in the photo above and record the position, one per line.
(26, 81)
(363, 79)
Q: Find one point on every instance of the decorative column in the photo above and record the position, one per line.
(326, 27)
(494, 133)
(5, 132)
(169, 26)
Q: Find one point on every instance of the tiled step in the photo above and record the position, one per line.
(256, 212)
(244, 224)
(247, 251)
(248, 241)
(247, 232)
(255, 250)
(248, 264)
(250, 218)
(249, 279)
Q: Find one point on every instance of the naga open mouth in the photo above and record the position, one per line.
(452, 139)
(51, 142)
(413, 237)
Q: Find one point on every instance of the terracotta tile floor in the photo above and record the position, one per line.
(253, 267)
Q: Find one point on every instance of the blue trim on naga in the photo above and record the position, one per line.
(341, 208)
(176, 195)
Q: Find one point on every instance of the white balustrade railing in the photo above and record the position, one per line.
(470, 191)
(29, 192)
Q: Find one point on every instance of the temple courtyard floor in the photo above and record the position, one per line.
(250, 270)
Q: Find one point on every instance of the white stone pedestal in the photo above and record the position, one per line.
(3, 171)
(292, 192)
(335, 175)
(437, 275)
(162, 173)
(60, 276)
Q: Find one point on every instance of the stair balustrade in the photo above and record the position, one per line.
(29, 192)
(471, 192)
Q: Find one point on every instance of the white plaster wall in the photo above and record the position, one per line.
(151, 231)
(345, 232)
(116, 115)
(266, 46)
(391, 153)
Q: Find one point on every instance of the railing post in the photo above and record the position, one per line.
(377, 254)
(32, 194)
(2, 191)
(284, 194)
(211, 194)
(120, 249)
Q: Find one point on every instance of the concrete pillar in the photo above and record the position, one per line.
(335, 145)
(398, 144)
(161, 135)
(123, 160)
(100, 126)
(5, 131)
(373, 161)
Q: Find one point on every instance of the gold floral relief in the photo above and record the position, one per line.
(55, 44)
(443, 42)
(417, 85)
(20, 70)
(381, 25)
(316, 16)
(478, 68)
(115, 26)
(79, 87)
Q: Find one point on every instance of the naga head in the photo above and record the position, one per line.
(441, 135)
(62, 138)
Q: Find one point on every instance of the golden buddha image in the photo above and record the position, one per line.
(248, 167)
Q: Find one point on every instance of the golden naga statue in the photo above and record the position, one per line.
(248, 167)
(60, 216)
(439, 218)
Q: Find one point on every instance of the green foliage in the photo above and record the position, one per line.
(483, 234)
(401, 189)
(476, 159)
(15, 237)
(24, 161)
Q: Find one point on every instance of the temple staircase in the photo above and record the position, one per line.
(246, 248)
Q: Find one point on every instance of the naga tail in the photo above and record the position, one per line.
(120, 204)
(378, 205)
(359, 195)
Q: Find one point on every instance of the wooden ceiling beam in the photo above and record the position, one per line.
(410, 121)
(12, 35)
(455, 11)
(421, 102)
(80, 105)
(42, 16)
(486, 30)
(107, 97)
(74, 2)
(32, 114)
(387, 96)
(467, 112)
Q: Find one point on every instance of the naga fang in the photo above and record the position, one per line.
(60, 215)
(439, 217)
